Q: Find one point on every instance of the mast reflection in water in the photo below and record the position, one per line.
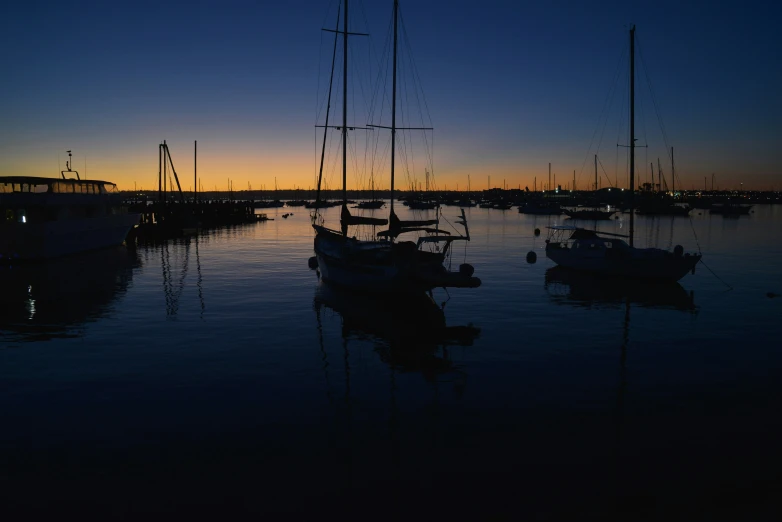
(410, 334)
(55, 298)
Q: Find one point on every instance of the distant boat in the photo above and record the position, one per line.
(700, 203)
(589, 214)
(296, 203)
(321, 204)
(541, 208)
(52, 217)
(591, 251)
(383, 266)
(662, 206)
(371, 204)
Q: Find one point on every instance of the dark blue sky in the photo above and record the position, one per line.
(510, 86)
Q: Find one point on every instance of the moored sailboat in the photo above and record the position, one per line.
(606, 254)
(383, 264)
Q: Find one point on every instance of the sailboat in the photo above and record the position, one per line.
(592, 251)
(585, 212)
(663, 204)
(383, 265)
(373, 203)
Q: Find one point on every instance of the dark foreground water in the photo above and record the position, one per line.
(217, 377)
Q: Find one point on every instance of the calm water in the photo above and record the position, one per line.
(217, 376)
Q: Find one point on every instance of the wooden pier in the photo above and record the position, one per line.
(165, 220)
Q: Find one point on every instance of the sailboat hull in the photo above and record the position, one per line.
(650, 264)
(382, 267)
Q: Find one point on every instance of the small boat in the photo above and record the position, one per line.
(590, 251)
(541, 208)
(51, 217)
(419, 204)
(589, 214)
(662, 207)
(372, 204)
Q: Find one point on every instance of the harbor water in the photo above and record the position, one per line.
(216, 375)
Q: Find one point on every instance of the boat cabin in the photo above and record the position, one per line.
(26, 199)
(582, 239)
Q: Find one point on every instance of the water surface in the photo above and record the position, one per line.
(217, 375)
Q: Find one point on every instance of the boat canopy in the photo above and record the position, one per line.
(583, 233)
(11, 184)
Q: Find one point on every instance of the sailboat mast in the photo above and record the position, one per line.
(651, 168)
(632, 131)
(195, 170)
(595, 172)
(393, 108)
(345, 109)
(673, 175)
(328, 109)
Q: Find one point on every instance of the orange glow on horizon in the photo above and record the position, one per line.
(297, 169)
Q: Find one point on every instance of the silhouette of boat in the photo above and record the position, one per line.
(589, 214)
(592, 251)
(383, 265)
(541, 208)
(372, 204)
(44, 218)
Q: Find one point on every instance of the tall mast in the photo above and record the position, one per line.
(328, 109)
(195, 170)
(345, 110)
(393, 109)
(632, 131)
(595, 172)
(673, 176)
(651, 168)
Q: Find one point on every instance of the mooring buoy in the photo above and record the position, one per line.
(312, 263)
(537, 231)
(531, 257)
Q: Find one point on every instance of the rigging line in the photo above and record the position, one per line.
(605, 173)
(416, 75)
(656, 107)
(419, 95)
(694, 234)
(606, 106)
(715, 275)
(318, 103)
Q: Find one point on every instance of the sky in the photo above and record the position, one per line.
(510, 87)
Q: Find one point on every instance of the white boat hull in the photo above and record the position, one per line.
(381, 267)
(50, 239)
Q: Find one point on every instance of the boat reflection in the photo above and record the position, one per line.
(588, 290)
(56, 298)
(410, 334)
